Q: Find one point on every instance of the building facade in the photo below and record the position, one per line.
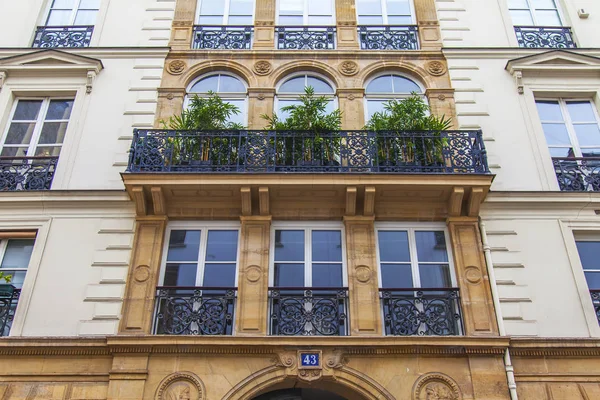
(151, 263)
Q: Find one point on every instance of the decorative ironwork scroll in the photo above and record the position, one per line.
(9, 297)
(222, 37)
(305, 38)
(596, 301)
(27, 173)
(545, 37)
(578, 174)
(388, 37)
(62, 36)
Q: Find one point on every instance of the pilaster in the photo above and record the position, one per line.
(352, 106)
(347, 35)
(264, 25)
(429, 27)
(260, 102)
(128, 376)
(183, 24)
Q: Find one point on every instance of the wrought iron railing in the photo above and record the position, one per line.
(388, 37)
(578, 174)
(596, 301)
(537, 37)
(308, 311)
(194, 310)
(222, 37)
(63, 36)
(446, 152)
(305, 37)
(27, 173)
(9, 297)
(420, 311)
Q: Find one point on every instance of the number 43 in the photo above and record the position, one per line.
(310, 359)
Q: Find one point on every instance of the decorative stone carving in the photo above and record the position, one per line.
(176, 67)
(473, 274)
(181, 386)
(349, 68)
(436, 386)
(336, 361)
(519, 81)
(363, 274)
(170, 96)
(436, 68)
(262, 67)
(253, 273)
(141, 273)
(310, 375)
(442, 97)
(286, 360)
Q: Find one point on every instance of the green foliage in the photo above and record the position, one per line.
(7, 278)
(205, 113)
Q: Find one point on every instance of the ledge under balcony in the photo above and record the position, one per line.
(228, 174)
(62, 36)
(545, 37)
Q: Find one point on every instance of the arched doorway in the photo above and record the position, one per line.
(299, 394)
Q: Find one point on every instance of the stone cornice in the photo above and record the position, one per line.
(98, 52)
(504, 52)
(555, 347)
(543, 197)
(388, 55)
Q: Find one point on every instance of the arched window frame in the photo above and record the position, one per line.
(294, 96)
(224, 96)
(385, 15)
(382, 96)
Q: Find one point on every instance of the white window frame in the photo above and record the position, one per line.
(305, 16)
(385, 16)
(3, 247)
(296, 96)
(204, 227)
(532, 10)
(39, 123)
(307, 227)
(73, 14)
(389, 96)
(587, 237)
(226, 15)
(412, 243)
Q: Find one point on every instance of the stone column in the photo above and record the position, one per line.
(128, 375)
(170, 103)
(183, 24)
(363, 284)
(260, 101)
(347, 35)
(441, 102)
(352, 107)
(264, 25)
(138, 304)
(471, 273)
(429, 27)
(253, 280)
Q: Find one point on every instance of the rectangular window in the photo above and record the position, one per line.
(306, 12)
(384, 12)
(14, 259)
(226, 12)
(73, 12)
(589, 254)
(534, 13)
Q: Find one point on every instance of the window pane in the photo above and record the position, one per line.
(400, 20)
(393, 246)
(222, 246)
(59, 17)
(593, 279)
(47, 151)
(368, 7)
(590, 152)
(86, 17)
(180, 275)
(291, 7)
(27, 110)
(370, 20)
(374, 106)
(289, 245)
(398, 7)
(556, 134)
(53, 132)
(521, 18)
(405, 85)
(205, 85)
(285, 103)
(287, 20)
(434, 276)
(517, 4)
(241, 117)
(184, 245)
(222, 275)
(212, 7)
(241, 7)
(431, 246)
(588, 134)
(294, 85)
(549, 111)
(16, 278)
(581, 111)
(240, 20)
(548, 18)
(396, 276)
(589, 254)
(19, 133)
(319, 20)
(319, 85)
(14, 152)
(561, 152)
(320, 7)
(63, 4)
(211, 20)
(327, 275)
(543, 4)
(326, 246)
(89, 4)
(229, 84)
(383, 84)
(289, 275)
(59, 109)
(18, 253)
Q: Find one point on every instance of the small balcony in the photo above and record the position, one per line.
(194, 311)
(388, 37)
(222, 37)
(62, 36)
(545, 37)
(9, 297)
(420, 311)
(27, 173)
(308, 311)
(305, 37)
(578, 174)
(595, 293)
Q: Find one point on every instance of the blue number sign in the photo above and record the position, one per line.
(310, 359)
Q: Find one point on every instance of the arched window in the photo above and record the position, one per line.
(290, 90)
(385, 88)
(229, 88)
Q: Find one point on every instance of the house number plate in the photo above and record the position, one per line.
(310, 359)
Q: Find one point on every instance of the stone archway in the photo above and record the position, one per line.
(299, 394)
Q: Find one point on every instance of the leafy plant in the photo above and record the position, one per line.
(7, 278)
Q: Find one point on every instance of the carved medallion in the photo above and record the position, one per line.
(176, 67)
(181, 386)
(262, 67)
(363, 273)
(253, 273)
(141, 273)
(349, 68)
(436, 68)
(436, 386)
(473, 274)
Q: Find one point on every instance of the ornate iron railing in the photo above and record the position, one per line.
(222, 37)
(596, 301)
(537, 37)
(194, 310)
(578, 174)
(308, 311)
(420, 311)
(9, 297)
(27, 173)
(305, 37)
(388, 37)
(63, 36)
(446, 152)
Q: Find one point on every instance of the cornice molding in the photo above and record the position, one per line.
(98, 52)
(506, 52)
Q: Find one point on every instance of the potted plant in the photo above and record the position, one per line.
(6, 290)
(308, 131)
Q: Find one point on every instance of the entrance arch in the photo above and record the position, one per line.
(299, 394)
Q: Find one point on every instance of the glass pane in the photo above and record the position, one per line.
(543, 4)
(291, 7)
(561, 152)
(370, 20)
(289, 275)
(319, 85)
(549, 111)
(205, 85)
(383, 84)
(63, 4)
(405, 85)
(212, 7)
(19, 133)
(288, 20)
(326, 246)
(222, 246)
(320, 7)
(241, 117)
(59, 17)
(59, 109)
(396, 276)
(517, 4)
(86, 17)
(180, 275)
(431, 246)
(556, 134)
(368, 7)
(581, 111)
(588, 134)
(289, 245)
(521, 18)
(184, 245)
(16, 278)
(434, 276)
(319, 20)
(398, 7)
(240, 20)
(285, 103)
(14, 152)
(53, 132)
(589, 254)
(27, 110)
(393, 246)
(47, 151)
(241, 7)
(374, 106)
(222, 275)
(210, 20)
(593, 279)
(400, 20)
(327, 275)
(590, 152)
(89, 4)
(294, 85)
(547, 18)
(18, 253)
(229, 84)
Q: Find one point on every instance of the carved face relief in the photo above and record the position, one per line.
(181, 386)
(178, 391)
(438, 391)
(436, 386)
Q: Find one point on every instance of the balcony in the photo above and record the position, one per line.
(308, 311)
(62, 36)
(194, 310)
(305, 37)
(9, 297)
(388, 37)
(419, 311)
(543, 37)
(222, 37)
(578, 174)
(27, 173)
(596, 301)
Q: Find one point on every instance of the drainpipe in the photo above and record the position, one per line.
(510, 373)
